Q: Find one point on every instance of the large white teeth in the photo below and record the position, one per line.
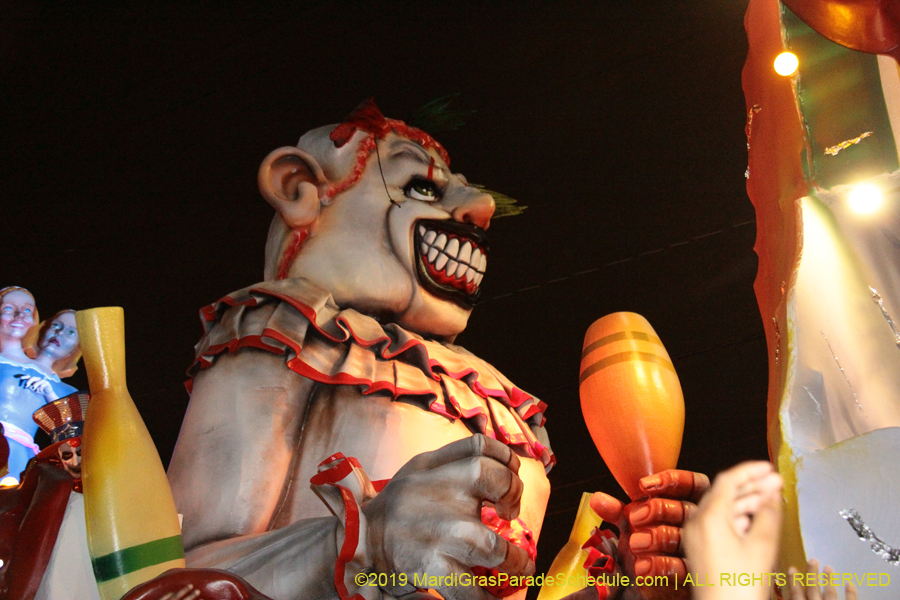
(465, 255)
(458, 258)
(451, 267)
(476, 258)
(452, 248)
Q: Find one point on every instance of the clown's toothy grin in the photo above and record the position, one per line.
(451, 258)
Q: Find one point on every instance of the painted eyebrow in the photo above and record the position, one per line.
(417, 153)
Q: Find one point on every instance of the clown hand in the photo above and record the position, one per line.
(650, 530)
(427, 520)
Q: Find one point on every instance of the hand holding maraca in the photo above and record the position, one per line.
(650, 529)
(634, 409)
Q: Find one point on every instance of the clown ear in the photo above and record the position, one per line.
(289, 179)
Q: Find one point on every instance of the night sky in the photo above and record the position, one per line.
(131, 138)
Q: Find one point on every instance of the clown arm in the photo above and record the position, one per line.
(236, 444)
(232, 470)
(232, 459)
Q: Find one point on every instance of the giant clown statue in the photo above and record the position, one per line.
(337, 443)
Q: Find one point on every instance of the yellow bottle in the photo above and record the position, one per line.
(570, 560)
(132, 526)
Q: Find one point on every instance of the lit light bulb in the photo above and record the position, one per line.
(786, 63)
(865, 199)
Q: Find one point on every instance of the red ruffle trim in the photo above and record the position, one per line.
(338, 346)
(333, 471)
(598, 563)
(515, 531)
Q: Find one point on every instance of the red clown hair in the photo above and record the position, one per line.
(367, 117)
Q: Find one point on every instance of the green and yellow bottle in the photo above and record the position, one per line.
(132, 526)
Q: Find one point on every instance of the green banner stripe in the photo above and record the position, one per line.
(623, 357)
(135, 558)
(622, 335)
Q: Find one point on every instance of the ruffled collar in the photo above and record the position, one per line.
(338, 346)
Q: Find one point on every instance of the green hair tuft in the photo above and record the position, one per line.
(437, 116)
(505, 206)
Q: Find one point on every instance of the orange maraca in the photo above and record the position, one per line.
(631, 398)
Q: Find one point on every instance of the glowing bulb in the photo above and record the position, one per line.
(865, 199)
(9, 481)
(786, 63)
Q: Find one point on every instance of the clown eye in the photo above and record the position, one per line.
(422, 189)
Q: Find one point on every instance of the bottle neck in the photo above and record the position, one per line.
(101, 333)
(585, 521)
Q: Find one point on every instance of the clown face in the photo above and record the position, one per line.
(60, 338)
(405, 243)
(71, 459)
